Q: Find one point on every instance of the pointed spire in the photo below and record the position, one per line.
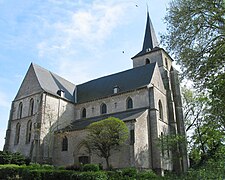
(150, 40)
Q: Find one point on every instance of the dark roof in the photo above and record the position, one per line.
(126, 81)
(150, 40)
(52, 83)
(124, 116)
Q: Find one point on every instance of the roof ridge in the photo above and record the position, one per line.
(52, 73)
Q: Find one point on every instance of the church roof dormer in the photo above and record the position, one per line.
(150, 40)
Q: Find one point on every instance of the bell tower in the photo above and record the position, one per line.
(150, 53)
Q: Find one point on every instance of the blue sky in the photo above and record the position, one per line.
(77, 39)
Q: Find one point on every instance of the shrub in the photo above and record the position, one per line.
(31, 174)
(18, 158)
(13, 158)
(114, 175)
(91, 167)
(60, 168)
(129, 172)
(100, 175)
(47, 166)
(75, 167)
(5, 157)
(34, 166)
(58, 175)
(9, 172)
(147, 175)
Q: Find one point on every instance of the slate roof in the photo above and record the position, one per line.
(126, 81)
(150, 40)
(51, 82)
(124, 116)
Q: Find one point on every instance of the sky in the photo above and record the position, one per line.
(79, 40)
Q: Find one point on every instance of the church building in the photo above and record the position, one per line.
(49, 114)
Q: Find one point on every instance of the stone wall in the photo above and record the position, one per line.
(23, 146)
(116, 103)
(57, 113)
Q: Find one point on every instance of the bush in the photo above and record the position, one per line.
(34, 166)
(75, 167)
(129, 172)
(147, 175)
(5, 157)
(31, 174)
(100, 175)
(91, 167)
(114, 175)
(13, 158)
(9, 171)
(56, 174)
(47, 166)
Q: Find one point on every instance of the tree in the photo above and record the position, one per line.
(196, 36)
(205, 135)
(106, 135)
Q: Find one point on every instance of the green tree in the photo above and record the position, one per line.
(205, 135)
(196, 36)
(106, 135)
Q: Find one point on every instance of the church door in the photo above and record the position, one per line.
(84, 160)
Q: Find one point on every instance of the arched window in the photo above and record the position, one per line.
(147, 61)
(29, 128)
(166, 62)
(65, 144)
(20, 110)
(129, 103)
(103, 108)
(17, 134)
(83, 113)
(31, 107)
(160, 110)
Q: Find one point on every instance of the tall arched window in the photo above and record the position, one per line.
(65, 144)
(129, 103)
(20, 110)
(29, 129)
(83, 113)
(17, 134)
(160, 110)
(103, 108)
(147, 61)
(31, 107)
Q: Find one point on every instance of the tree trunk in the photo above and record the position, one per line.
(107, 163)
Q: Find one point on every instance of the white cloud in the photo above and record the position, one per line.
(87, 27)
(76, 42)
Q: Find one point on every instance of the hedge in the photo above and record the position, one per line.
(23, 172)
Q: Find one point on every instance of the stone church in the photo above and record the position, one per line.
(49, 114)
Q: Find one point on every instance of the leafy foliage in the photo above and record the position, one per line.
(91, 167)
(196, 36)
(105, 136)
(206, 137)
(197, 42)
(13, 158)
